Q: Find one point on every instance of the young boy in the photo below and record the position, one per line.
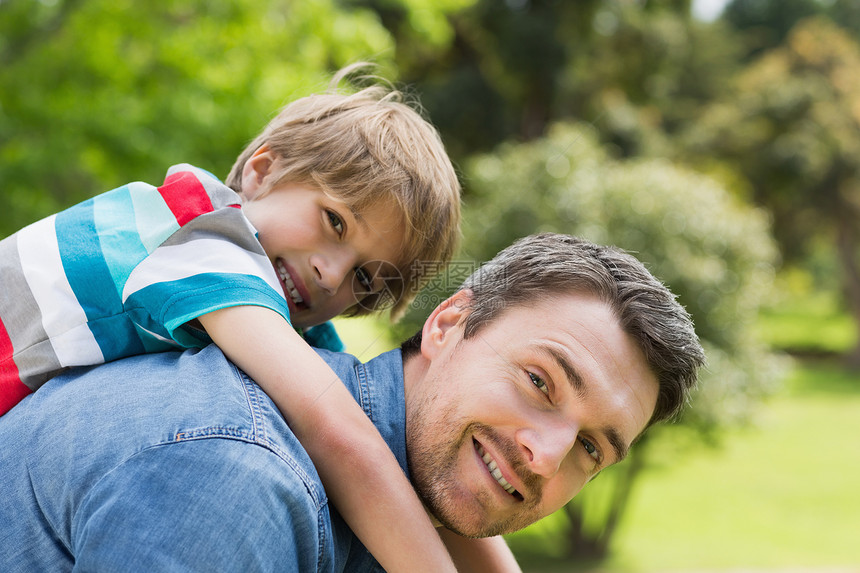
(337, 192)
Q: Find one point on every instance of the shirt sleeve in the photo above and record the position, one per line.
(201, 505)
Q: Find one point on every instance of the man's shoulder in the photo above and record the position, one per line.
(377, 386)
(343, 363)
(377, 381)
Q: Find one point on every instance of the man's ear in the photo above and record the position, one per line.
(255, 170)
(439, 328)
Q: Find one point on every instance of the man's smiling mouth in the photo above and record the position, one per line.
(494, 470)
(288, 282)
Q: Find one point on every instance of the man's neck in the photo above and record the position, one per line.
(414, 370)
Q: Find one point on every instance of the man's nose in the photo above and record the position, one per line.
(332, 269)
(546, 446)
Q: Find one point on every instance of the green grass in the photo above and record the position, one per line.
(782, 494)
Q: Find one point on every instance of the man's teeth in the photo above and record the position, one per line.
(291, 287)
(495, 472)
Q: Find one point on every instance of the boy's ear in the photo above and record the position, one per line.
(255, 170)
(440, 328)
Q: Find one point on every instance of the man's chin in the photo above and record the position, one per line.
(483, 530)
(451, 515)
(470, 523)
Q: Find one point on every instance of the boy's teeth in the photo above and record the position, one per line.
(494, 470)
(291, 287)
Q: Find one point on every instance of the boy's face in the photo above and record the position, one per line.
(322, 252)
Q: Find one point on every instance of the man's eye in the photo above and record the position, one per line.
(590, 448)
(539, 382)
(364, 279)
(335, 222)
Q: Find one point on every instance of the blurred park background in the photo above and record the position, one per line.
(719, 141)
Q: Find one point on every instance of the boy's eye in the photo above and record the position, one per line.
(364, 279)
(335, 222)
(590, 448)
(539, 383)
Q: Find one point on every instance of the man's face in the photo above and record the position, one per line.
(506, 427)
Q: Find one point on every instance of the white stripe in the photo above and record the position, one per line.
(77, 347)
(196, 257)
(63, 318)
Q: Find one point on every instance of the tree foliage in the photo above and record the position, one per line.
(792, 129)
(765, 24)
(97, 93)
(511, 68)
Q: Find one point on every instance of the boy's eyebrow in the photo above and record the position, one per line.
(578, 384)
(356, 216)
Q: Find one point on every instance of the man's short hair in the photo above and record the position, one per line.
(364, 148)
(541, 266)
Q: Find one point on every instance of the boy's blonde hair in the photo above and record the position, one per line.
(365, 148)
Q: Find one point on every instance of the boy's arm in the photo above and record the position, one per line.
(359, 472)
(487, 555)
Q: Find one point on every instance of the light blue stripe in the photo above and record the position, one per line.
(155, 222)
(122, 250)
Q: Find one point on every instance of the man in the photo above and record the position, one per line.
(540, 372)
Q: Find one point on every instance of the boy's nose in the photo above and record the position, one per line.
(546, 447)
(331, 270)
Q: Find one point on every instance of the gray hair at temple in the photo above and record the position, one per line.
(543, 265)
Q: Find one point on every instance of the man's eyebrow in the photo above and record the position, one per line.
(565, 365)
(617, 443)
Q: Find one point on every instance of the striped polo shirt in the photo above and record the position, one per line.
(122, 273)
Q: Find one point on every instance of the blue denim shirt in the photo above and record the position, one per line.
(184, 465)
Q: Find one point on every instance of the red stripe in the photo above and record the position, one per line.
(185, 196)
(12, 390)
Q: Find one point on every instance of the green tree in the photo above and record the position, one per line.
(511, 68)
(792, 129)
(764, 24)
(96, 93)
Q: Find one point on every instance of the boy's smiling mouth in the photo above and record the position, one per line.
(289, 285)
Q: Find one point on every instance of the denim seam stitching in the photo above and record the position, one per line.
(320, 537)
(254, 405)
(364, 389)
